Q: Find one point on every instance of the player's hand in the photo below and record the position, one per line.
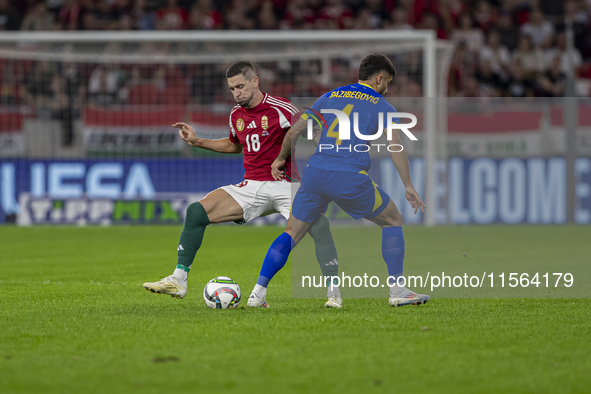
(413, 198)
(277, 169)
(187, 133)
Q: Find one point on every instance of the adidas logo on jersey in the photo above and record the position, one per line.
(180, 248)
(252, 125)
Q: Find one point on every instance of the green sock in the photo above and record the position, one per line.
(192, 235)
(326, 251)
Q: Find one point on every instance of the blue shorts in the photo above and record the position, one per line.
(354, 192)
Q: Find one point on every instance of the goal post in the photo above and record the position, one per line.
(129, 85)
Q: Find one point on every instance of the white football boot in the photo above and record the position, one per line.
(334, 298)
(169, 285)
(404, 296)
(254, 301)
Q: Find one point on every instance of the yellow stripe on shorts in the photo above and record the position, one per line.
(378, 198)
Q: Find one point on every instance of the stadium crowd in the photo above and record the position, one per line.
(514, 48)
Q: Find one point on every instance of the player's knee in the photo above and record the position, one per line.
(196, 215)
(397, 219)
(391, 218)
(320, 229)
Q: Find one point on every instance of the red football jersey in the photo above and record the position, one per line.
(260, 131)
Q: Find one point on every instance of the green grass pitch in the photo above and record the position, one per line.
(74, 318)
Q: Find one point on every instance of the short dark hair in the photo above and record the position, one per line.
(241, 67)
(374, 64)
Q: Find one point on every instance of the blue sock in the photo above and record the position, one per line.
(276, 258)
(393, 249)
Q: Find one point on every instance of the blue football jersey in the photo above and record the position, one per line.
(364, 107)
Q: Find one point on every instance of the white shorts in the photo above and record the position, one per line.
(262, 198)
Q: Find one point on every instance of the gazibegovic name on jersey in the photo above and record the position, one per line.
(364, 106)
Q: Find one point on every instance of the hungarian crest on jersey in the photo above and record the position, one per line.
(240, 124)
(265, 125)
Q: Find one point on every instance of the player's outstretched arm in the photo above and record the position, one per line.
(289, 142)
(400, 160)
(223, 145)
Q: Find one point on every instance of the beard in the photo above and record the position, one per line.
(245, 102)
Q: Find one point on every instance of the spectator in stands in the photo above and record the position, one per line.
(575, 14)
(145, 18)
(315, 5)
(38, 18)
(474, 38)
(538, 28)
(100, 93)
(159, 78)
(378, 13)
(399, 17)
(336, 15)
(462, 65)
(172, 17)
(88, 21)
(74, 82)
(364, 21)
(484, 16)
(105, 82)
(54, 6)
(123, 6)
(508, 31)
(125, 22)
(553, 80)
(472, 88)
(9, 86)
(536, 69)
(298, 16)
(105, 17)
(519, 84)
(61, 108)
(266, 17)
(37, 90)
(530, 57)
(576, 11)
(70, 15)
(9, 17)
(204, 16)
(496, 53)
(431, 22)
(567, 59)
(449, 11)
(240, 16)
(489, 80)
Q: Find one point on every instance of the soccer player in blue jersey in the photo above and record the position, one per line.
(338, 172)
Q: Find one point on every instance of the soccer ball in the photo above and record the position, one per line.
(221, 293)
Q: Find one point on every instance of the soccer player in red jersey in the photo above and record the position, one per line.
(258, 125)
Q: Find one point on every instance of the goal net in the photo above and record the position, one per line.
(85, 119)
